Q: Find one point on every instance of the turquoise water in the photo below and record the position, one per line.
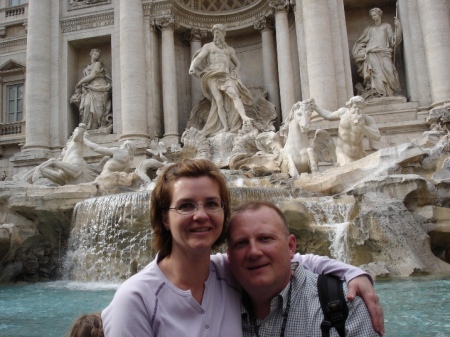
(417, 306)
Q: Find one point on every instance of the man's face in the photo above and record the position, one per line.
(357, 107)
(260, 251)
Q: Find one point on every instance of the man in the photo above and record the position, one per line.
(117, 159)
(280, 299)
(221, 85)
(373, 57)
(353, 126)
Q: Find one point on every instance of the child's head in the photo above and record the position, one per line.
(89, 325)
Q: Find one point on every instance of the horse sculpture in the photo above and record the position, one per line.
(70, 168)
(296, 154)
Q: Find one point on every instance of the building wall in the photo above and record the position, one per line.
(78, 27)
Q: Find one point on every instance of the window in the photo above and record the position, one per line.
(12, 3)
(14, 102)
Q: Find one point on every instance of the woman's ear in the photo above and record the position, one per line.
(165, 221)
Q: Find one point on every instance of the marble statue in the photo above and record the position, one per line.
(221, 85)
(156, 149)
(117, 159)
(70, 168)
(93, 95)
(353, 126)
(290, 148)
(373, 54)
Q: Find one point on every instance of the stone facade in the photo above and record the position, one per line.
(147, 47)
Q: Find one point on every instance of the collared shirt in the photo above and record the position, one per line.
(305, 313)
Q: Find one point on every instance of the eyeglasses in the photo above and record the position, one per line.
(187, 208)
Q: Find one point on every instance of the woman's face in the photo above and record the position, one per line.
(95, 55)
(194, 234)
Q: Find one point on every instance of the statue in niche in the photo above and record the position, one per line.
(70, 168)
(373, 53)
(93, 95)
(353, 126)
(116, 160)
(221, 85)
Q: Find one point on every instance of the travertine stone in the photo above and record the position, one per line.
(435, 25)
(285, 72)
(271, 82)
(319, 53)
(169, 81)
(132, 78)
(37, 98)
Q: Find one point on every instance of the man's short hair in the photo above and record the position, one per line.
(255, 205)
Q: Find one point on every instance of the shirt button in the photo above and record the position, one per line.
(203, 311)
(266, 325)
(207, 326)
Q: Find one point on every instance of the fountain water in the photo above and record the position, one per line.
(111, 238)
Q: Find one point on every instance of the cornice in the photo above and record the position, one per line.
(13, 43)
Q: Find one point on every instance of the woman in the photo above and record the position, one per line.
(185, 290)
(95, 86)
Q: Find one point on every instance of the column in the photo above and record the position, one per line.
(195, 37)
(154, 112)
(417, 81)
(169, 82)
(132, 70)
(342, 69)
(301, 49)
(320, 53)
(285, 69)
(265, 26)
(436, 34)
(37, 84)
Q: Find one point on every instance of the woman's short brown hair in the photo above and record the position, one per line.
(161, 199)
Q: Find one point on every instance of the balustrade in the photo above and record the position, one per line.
(12, 129)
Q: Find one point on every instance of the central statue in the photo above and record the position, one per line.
(221, 84)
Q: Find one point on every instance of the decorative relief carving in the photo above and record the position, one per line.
(186, 17)
(279, 5)
(195, 35)
(11, 45)
(263, 24)
(87, 22)
(215, 5)
(167, 22)
(78, 4)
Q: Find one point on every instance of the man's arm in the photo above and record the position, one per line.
(327, 114)
(97, 148)
(370, 129)
(359, 282)
(198, 58)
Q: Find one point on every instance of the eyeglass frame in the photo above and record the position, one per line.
(222, 206)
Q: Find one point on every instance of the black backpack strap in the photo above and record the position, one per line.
(334, 306)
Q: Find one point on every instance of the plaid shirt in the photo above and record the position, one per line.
(305, 314)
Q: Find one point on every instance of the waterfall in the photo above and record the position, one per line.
(111, 235)
(334, 216)
(110, 238)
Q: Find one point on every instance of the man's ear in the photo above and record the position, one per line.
(292, 242)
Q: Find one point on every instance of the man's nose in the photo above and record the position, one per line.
(254, 250)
